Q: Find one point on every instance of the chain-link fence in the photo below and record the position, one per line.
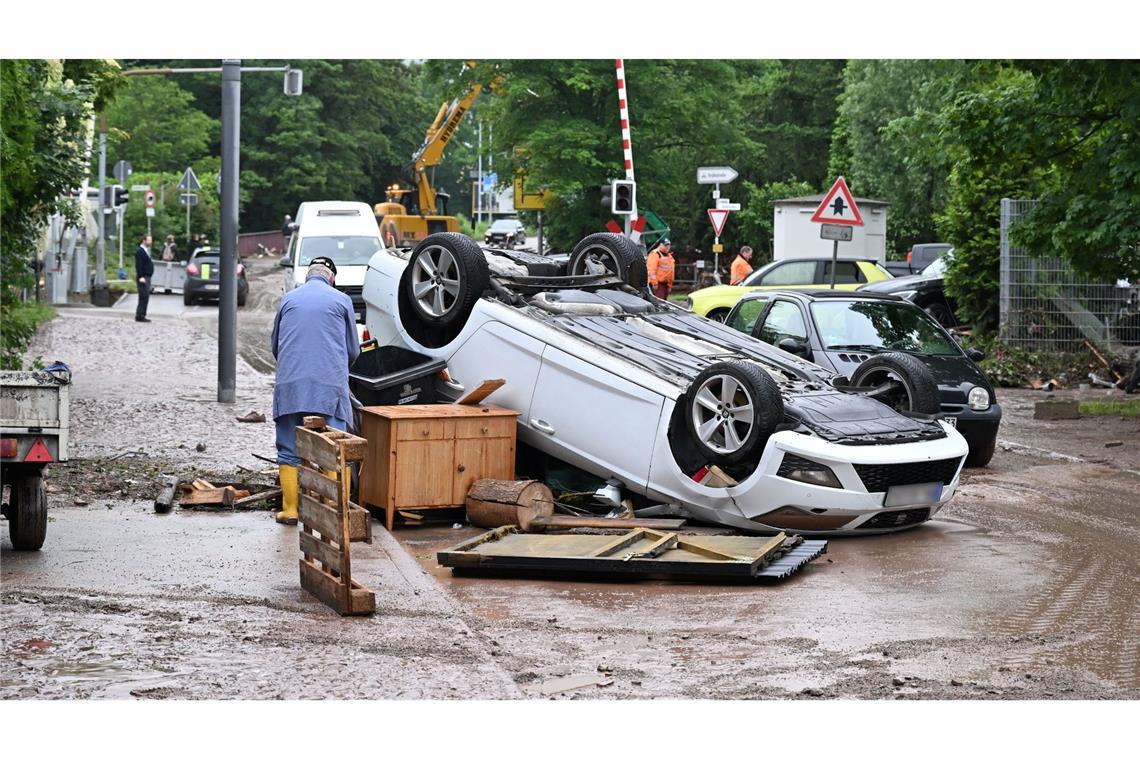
(1046, 306)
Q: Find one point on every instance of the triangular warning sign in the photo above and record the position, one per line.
(718, 216)
(838, 207)
(39, 452)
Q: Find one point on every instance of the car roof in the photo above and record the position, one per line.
(812, 295)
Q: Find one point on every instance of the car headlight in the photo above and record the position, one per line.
(805, 470)
(979, 399)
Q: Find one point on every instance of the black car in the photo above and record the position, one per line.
(923, 289)
(202, 282)
(886, 344)
(505, 233)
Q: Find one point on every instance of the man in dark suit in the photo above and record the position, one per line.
(144, 270)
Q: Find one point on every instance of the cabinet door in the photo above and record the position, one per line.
(424, 472)
(478, 458)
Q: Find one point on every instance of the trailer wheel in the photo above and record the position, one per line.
(605, 252)
(901, 382)
(731, 409)
(27, 515)
(448, 274)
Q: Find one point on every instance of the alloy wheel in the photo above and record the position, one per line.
(723, 414)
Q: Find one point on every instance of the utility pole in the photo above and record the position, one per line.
(227, 295)
(479, 181)
(100, 268)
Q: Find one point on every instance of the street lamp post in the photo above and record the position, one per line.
(227, 295)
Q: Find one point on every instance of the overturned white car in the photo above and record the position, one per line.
(622, 385)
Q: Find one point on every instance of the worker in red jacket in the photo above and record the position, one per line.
(662, 268)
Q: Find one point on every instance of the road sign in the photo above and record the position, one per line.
(838, 207)
(139, 188)
(715, 175)
(149, 198)
(489, 181)
(727, 204)
(718, 216)
(150, 211)
(842, 232)
(122, 170)
(188, 199)
(189, 181)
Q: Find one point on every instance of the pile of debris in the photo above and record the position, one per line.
(202, 494)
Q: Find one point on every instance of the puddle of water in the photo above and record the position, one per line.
(84, 671)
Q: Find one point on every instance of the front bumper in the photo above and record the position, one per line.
(766, 502)
(978, 428)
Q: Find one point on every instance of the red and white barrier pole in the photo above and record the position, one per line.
(626, 143)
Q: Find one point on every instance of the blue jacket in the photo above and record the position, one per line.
(314, 341)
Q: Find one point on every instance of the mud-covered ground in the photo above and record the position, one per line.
(1024, 587)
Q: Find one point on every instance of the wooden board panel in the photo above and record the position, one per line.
(359, 524)
(314, 448)
(376, 472)
(319, 550)
(324, 486)
(424, 430)
(485, 389)
(436, 411)
(422, 476)
(325, 520)
(361, 600)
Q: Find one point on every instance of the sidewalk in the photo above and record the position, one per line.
(123, 602)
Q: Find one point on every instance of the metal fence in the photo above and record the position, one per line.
(1045, 306)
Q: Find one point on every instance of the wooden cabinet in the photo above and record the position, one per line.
(424, 456)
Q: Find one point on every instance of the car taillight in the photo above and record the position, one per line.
(7, 447)
(908, 255)
(241, 269)
(192, 269)
(367, 337)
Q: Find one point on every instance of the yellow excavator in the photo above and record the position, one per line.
(410, 214)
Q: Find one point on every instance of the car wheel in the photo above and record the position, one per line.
(27, 514)
(448, 274)
(731, 409)
(718, 315)
(941, 313)
(187, 299)
(901, 382)
(981, 453)
(605, 252)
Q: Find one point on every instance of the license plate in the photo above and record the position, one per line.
(210, 287)
(952, 420)
(913, 495)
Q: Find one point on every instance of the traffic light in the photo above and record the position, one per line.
(120, 195)
(608, 197)
(623, 194)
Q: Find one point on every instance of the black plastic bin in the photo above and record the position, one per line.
(390, 375)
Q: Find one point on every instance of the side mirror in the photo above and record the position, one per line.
(975, 354)
(287, 261)
(793, 346)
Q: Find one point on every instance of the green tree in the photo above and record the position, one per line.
(46, 106)
(153, 124)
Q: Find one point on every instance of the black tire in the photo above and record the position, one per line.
(615, 252)
(440, 259)
(718, 315)
(906, 383)
(981, 452)
(711, 397)
(27, 514)
(187, 299)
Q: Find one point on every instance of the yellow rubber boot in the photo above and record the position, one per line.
(287, 474)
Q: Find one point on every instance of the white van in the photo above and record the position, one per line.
(346, 232)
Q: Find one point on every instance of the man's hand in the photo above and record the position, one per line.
(142, 281)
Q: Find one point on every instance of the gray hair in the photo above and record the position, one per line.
(319, 270)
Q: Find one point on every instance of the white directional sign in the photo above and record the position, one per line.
(841, 232)
(718, 216)
(189, 181)
(726, 203)
(715, 175)
(188, 199)
(838, 207)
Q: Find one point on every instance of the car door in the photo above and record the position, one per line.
(784, 319)
(594, 419)
(747, 313)
(789, 273)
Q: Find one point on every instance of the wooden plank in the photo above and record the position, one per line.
(485, 389)
(314, 422)
(361, 600)
(323, 519)
(437, 411)
(316, 449)
(663, 544)
(202, 485)
(359, 524)
(208, 496)
(266, 495)
(319, 550)
(621, 542)
(571, 521)
(322, 485)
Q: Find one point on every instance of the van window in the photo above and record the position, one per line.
(345, 250)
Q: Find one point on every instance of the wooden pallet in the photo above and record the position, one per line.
(330, 522)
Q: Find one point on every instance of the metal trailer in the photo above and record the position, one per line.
(33, 433)
(169, 277)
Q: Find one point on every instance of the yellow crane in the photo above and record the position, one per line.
(410, 214)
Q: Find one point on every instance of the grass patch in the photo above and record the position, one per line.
(1129, 408)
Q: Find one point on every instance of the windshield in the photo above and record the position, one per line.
(344, 250)
(505, 225)
(937, 268)
(879, 325)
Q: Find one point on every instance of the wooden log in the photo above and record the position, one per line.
(494, 503)
(165, 499)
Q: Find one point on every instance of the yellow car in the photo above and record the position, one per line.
(793, 274)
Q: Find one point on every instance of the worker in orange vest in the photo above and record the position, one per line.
(661, 266)
(740, 266)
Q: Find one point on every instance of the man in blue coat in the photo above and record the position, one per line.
(315, 342)
(144, 270)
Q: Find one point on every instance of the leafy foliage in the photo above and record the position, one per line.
(152, 123)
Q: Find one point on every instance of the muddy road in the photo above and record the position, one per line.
(1024, 587)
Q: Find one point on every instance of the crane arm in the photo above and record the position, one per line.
(439, 134)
